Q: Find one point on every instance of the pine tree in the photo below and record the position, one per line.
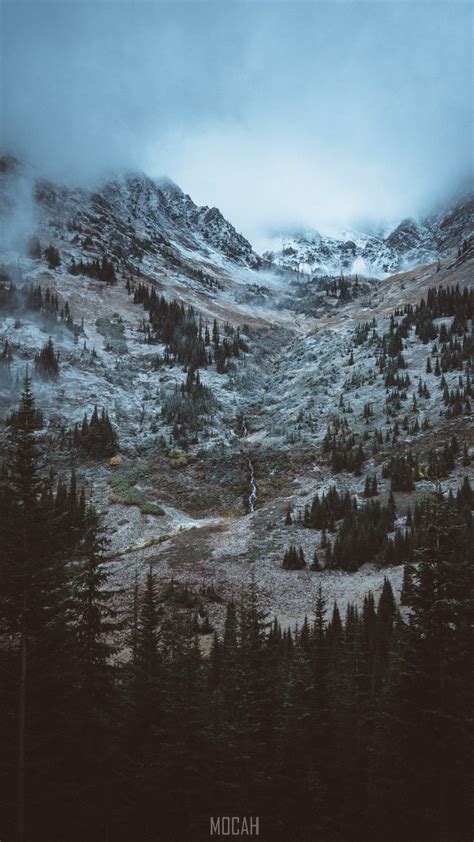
(407, 585)
(46, 361)
(34, 248)
(93, 707)
(316, 566)
(148, 630)
(294, 559)
(52, 257)
(430, 692)
(215, 335)
(320, 609)
(95, 617)
(386, 610)
(335, 631)
(34, 612)
(466, 459)
(179, 764)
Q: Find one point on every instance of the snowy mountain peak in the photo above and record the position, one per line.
(410, 244)
(134, 216)
(346, 252)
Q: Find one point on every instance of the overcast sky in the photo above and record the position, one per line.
(301, 113)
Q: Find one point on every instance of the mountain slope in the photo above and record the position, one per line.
(138, 222)
(177, 493)
(410, 244)
(347, 252)
(135, 217)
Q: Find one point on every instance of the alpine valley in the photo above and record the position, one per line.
(230, 414)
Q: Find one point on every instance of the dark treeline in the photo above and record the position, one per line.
(361, 531)
(456, 344)
(187, 340)
(52, 257)
(116, 727)
(454, 353)
(293, 559)
(346, 454)
(47, 361)
(345, 289)
(96, 437)
(32, 298)
(406, 541)
(362, 534)
(202, 277)
(326, 509)
(103, 269)
(186, 407)
(367, 532)
(405, 469)
(444, 301)
(457, 401)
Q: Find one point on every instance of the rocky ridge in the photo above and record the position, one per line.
(410, 244)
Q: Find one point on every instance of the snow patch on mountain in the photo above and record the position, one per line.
(412, 243)
(346, 252)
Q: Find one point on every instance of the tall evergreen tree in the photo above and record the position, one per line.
(431, 693)
(34, 612)
(93, 709)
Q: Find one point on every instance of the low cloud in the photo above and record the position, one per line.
(280, 114)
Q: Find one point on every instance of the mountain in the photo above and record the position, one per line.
(418, 242)
(136, 220)
(155, 225)
(348, 252)
(410, 244)
(164, 220)
(413, 242)
(304, 383)
(453, 225)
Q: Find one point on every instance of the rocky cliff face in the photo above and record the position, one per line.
(416, 242)
(132, 218)
(451, 227)
(411, 238)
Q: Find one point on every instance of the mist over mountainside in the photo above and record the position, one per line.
(410, 244)
(237, 386)
(136, 217)
(132, 217)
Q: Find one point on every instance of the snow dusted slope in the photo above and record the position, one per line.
(346, 252)
(410, 244)
(420, 242)
(185, 507)
(134, 217)
(454, 224)
(413, 242)
(138, 222)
